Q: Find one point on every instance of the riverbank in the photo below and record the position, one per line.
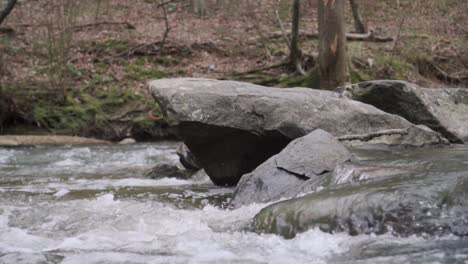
(62, 204)
(92, 82)
(18, 140)
(110, 116)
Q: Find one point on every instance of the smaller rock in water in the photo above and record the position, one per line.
(306, 159)
(168, 171)
(61, 193)
(127, 141)
(186, 158)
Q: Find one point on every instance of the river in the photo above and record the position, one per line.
(92, 204)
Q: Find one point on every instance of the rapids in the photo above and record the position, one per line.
(91, 204)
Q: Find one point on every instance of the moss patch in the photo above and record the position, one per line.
(108, 115)
(136, 71)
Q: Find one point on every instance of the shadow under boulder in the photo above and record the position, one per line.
(225, 153)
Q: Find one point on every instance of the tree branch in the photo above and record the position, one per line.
(372, 135)
(111, 23)
(370, 36)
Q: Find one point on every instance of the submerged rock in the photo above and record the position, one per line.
(165, 170)
(127, 141)
(443, 110)
(306, 158)
(350, 172)
(233, 127)
(421, 204)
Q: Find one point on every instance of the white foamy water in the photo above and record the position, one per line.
(86, 160)
(7, 156)
(58, 184)
(93, 205)
(105, 229)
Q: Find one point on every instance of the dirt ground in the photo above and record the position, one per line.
(60, 62)
(118, 40)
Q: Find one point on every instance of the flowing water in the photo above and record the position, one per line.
(93, 205)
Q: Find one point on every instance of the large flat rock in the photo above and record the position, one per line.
(232, 127)
(443, 110)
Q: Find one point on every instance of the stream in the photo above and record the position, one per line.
(92, 204)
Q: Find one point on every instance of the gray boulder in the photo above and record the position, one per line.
(283, 175)
(233, 127)
(443, 110)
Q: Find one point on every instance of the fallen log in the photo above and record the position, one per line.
(370, 36)
(7, 30)
(27, 140)
(81, 27)
(103, 23)
(372, 135)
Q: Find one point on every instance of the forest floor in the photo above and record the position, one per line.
(85, 72)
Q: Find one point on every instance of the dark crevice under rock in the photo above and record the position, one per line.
(300, 176)
(227, 153)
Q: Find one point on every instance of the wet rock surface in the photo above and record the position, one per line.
(349, 172)
(443, 110)
(307, 158)
(429, 198)
(166, 170)
(233, 127)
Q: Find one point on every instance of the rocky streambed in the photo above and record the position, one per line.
(295, 145)
(92, 204)
(290, 176)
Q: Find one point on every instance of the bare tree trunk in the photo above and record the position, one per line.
(199, 7)
(359, 24)
(7, 10)
(333, 63)
(167, 26)
(294, 51)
